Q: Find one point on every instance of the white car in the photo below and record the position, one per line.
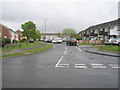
(57, 41)
(116, 42)
(113, 41)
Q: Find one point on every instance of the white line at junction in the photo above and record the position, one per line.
(59, 62)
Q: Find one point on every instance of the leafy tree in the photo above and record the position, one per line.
(37, 35)
(77, 37)
(68, 32)
(29, 29)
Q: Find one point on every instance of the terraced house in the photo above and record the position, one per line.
(7, 32)
(102, 31)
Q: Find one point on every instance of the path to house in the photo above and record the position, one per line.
(20, 50)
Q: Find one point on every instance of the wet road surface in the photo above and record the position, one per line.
(61, 67)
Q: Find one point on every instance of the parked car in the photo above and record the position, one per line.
(116, 42)
(49, 41)
(57, 41)
(31, 41)
(110, 41)
(71, 41)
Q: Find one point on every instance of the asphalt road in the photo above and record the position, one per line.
(61, 67)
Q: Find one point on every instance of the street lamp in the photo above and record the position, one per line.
(45, 26)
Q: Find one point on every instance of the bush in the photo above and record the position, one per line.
(2, 42)
(23, 40)
(14, 41)
(7, 40)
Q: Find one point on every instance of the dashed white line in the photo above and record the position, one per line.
(59, 62)
(65, 52)
(64, 64)
(66, 48)
(54, 46)
(80, 64)
(96, 64)
(99, 66)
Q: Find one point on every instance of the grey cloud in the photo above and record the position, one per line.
(60, 14)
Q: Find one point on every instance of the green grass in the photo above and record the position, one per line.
(31, 51)
(108, 48)
(23, 46)
(85, 44)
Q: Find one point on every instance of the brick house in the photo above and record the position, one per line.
(7, 32)
(19, 34)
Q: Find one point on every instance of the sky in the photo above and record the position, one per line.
(60, 14)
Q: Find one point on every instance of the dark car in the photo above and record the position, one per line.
(71, 41)
(31, 41)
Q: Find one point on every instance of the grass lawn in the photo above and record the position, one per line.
(108, 48)
(85, 44)
(23, 46)
(31, 51)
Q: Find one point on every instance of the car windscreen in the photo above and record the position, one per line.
(72, 39)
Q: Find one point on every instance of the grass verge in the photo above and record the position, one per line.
(31, 51)
(115, 49)
(85, 44)
(23, 46)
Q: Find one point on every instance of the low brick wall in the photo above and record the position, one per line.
(92, 41)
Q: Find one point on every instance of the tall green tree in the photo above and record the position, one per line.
(38, 34)
(29, 29)
(68, 32)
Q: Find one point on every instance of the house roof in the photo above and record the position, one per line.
(114, 22)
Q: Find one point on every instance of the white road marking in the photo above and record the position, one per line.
(54, 46)
(64, 64)
(59, 62)
(115, 67)
(96, 64)
(80, 66)
(78, 49)
(99, 66)
(66, 48)
(65, 52)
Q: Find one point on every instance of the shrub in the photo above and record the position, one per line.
(7, 40)
(23, 40)
(14, 41)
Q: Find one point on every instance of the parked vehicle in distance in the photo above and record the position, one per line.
(116, 42)
(111, 41)
(57, 41)
(71, 41)
(64, 40)
(48, 40)
(31, 41)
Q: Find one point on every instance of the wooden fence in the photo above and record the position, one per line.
(92, 41)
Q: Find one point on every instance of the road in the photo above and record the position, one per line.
(61, 67)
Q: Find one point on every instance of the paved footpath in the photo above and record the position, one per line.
(97, 51)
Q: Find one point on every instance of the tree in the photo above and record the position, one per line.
(69, 32)
(77, 37)
(38, 34)
(29, 29)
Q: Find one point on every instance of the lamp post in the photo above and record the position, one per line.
(45, 26)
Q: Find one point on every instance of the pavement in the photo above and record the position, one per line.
(88, 48)
(61, 67)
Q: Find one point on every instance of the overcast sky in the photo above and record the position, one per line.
(60, 14)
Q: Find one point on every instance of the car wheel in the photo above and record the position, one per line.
(118, 44)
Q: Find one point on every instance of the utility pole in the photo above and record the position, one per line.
(45, 26)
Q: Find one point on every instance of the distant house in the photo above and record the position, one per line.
(49, 36)
(7, 32)
(102, 31)
(19, 32)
